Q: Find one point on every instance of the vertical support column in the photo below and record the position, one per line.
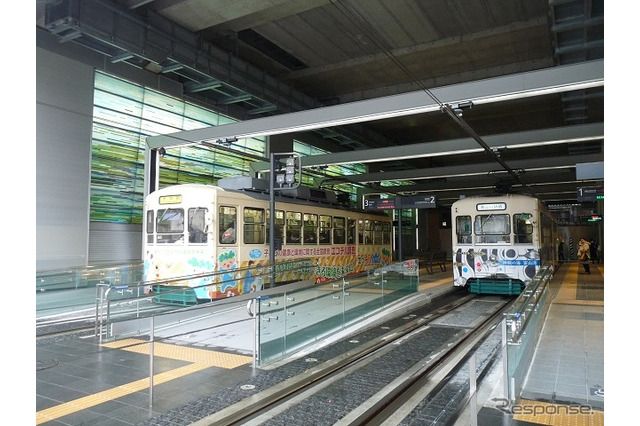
(290, 178)
(272, 221)
(151, 181)
(151, 170)
(423, 233)
(151, 339)
(399, 214)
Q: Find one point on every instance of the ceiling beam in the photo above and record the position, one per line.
(568, 134)
(551, 80)
(547, 192)
(474, 169)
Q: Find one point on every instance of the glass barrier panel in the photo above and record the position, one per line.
(271, 333)
(303, 316)
(524, 326)
(71, 290)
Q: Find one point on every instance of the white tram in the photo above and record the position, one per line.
(500, 242)
(194, 229)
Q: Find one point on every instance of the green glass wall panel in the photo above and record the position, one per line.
(124, 115)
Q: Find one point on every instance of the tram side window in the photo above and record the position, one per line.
(279, 221)
(463, 229)
(325, 230)
(197, 225)
(150, 226)
(339, 236)
(522, 228)
(227, 224)
(377, 232)
(492, 228)
(294, 227)
(368, 231)
(254, 226)
(351, 231)
(170, 226)
(310, 228)
(386, 233)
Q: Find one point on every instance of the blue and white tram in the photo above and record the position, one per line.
(500, 242)
(195, 229)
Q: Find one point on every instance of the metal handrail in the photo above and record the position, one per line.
(528, 301)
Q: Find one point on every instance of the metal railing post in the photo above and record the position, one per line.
(505, 359)
(152, 338)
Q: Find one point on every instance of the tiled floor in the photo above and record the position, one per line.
(568, 366)
(80, 381)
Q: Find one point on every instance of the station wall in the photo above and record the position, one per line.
(65, 238)
(64, 101)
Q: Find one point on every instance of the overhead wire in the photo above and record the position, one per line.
(366, 29)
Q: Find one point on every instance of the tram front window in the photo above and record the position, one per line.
(197, 225)
(492, 229)
(170, 226)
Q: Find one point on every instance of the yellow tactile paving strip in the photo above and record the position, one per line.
(201, 359)
(182, 353)
(544, 413)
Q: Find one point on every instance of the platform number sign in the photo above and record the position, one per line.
(590, 194)
(413, 202)
(380, 203)
(418, 202)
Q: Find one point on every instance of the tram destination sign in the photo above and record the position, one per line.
(414, 202)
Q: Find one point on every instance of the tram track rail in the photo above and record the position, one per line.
(429, 380)
(342, 374)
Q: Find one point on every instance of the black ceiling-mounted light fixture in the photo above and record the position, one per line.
(460, 107)
(226, 141)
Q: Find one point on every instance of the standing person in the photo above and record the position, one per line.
(593, 251)
(584, 254)
(561, 250)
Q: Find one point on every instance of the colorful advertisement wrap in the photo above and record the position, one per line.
(490, 262)
(234, 273)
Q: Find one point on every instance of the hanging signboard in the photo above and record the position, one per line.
(418, 202)
(414, 202)
(590, 194)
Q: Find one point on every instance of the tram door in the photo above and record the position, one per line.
(227, 253)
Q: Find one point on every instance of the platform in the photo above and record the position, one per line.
(568, 365)
(565, 380)
(110, 385)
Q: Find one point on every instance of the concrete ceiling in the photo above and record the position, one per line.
(262, 59)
